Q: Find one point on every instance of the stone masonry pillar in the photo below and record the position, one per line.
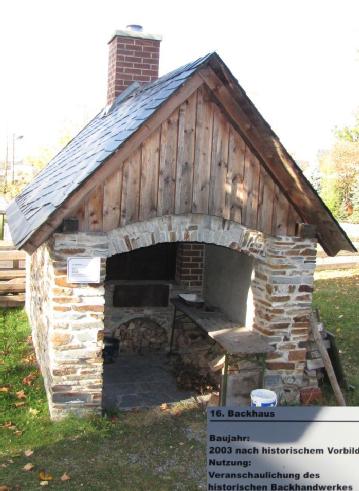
(282, 294)
(69, 344)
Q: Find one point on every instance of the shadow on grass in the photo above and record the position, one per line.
(145, 450)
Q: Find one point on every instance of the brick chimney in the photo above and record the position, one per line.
(133, 56)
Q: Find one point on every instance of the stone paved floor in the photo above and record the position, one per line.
(140, 381)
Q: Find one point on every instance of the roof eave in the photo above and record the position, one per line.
(331, 245)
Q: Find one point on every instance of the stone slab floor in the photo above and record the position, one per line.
(140, 381)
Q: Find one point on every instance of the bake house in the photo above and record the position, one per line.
(176, 227)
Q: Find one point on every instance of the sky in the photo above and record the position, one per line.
(298, 60)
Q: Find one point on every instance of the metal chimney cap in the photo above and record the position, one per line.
(135, 27)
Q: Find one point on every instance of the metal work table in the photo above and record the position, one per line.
(233, 338)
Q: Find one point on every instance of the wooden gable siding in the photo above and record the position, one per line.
(195, 162)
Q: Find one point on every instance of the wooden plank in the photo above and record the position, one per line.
(293, 219)
(113, 164)
(149, 176)
(235, 175)
(112, 201)
(203, 149)
(12, 273)
(80, 215)
(8, 301)
(167, 170)
(251, 184)
(12, 287)
(280, 213)
(219, 165)
(185, 155)
(12, 255)
(265, 202)
(95, 210)
(232, 337)
(131, 188)
(6, 246)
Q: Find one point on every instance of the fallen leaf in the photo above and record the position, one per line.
(10, 461)
(18, 433)
(65, 477)
(164, 406)
(3, 466)
(20, 404)
(4, 389)
(45, 476)
(34, 412)
(4, 488)
(21, 394)
(28, 380)
(29, 359)
(28, 453)
(44, 483)
(28, 467)
(7, 424)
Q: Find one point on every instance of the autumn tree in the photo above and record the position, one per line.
(37, 161)
(340, 172)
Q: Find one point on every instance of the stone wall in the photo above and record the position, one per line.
(68, 319)
(67, 322)
(39, 282)
(227, 282)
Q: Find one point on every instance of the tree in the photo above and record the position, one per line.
(340, 171)
(37, 161)
(350, 134)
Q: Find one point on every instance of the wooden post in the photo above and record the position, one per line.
(327, 363)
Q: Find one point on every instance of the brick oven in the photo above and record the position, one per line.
(178, 185)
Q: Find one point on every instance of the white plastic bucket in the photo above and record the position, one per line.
(263, 398)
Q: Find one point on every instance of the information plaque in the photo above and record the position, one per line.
(283, 449)
(83, 269)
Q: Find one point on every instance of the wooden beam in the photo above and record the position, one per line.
(7, 301)
(12, 255)
(327, 362)
(114, 162)
(10, 274)
(12, 287)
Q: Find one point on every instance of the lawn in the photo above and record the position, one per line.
(160, 449)
(337, 297)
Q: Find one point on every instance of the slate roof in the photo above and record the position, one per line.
(89, 149)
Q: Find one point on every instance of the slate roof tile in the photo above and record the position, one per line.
(101, 137)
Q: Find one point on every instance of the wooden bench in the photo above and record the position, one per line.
(231, 336)
(12, 276)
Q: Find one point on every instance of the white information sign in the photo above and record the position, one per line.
(83, 269)
(283, 449)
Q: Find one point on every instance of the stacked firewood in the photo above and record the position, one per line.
(141, 335)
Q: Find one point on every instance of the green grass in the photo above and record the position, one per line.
(337, 297)
(147, 450)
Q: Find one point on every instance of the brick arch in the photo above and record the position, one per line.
(187, 228)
